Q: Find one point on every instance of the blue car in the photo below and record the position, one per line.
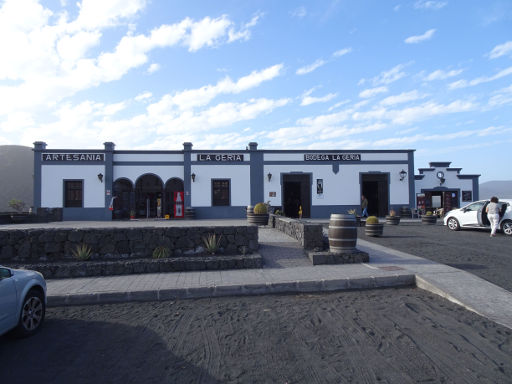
(22, 301)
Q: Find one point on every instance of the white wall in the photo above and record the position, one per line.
(240, 176)
(52, 184)
(133, 172)
(342, 188)
(430, 181)
(148, 157)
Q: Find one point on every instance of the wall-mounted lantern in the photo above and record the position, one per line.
(100, 177)
(269, 177)
(193, 176)
(403, 174)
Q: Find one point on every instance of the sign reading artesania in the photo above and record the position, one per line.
(73, 157)
(219, 157)
(332, 157)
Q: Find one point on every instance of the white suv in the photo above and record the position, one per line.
(474, 216)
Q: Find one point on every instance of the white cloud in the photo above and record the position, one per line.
(414, 113)
(245, 31)
(308, 100)
(501, 50)
(480, 80)
(342, 52)
(420, 38)
(442, 75)
(299, 13)
(337, 105)
(502, 97)
(372, 92)
(404, 97)
(310, 68)
(387, 77)
(143, 96)
(429, 4)
(153, 67)
(191, 98)
(50, 59)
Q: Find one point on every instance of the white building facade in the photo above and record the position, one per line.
(107, 184)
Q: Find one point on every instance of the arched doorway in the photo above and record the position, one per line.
(148, 193)
(124, 199)
(172, 185)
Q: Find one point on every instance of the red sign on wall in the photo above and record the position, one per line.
(179, 212)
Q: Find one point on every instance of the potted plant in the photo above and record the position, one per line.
(392, 218)
(358, 218)
(259, 215)
(429, 218)
(373, 227)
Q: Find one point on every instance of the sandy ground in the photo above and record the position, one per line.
(471, 250)
(386, 336)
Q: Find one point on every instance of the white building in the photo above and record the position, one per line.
(107, 184)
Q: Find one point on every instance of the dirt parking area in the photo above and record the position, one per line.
(386, 336)
(471, 250)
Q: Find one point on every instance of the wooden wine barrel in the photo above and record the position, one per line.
(190, 213)
(342, 233)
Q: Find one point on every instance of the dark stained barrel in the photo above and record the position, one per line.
(190, 213)
(342, 233)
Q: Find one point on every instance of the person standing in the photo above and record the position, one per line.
(493, 214)
(364, 206)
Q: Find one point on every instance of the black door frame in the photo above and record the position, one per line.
(306, 180)
(383, 207)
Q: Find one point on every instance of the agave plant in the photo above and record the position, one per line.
(161, 252)
(82, 252)
(212, 243)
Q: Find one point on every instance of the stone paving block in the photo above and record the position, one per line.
(309, 286)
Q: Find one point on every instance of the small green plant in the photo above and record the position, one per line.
(161, 252)
(429, 213)
(372, 220)
(212, 243)
(278, 212)
(17, 205)
(392, 213)
(260, 209)
(351, 212)
(82, 252)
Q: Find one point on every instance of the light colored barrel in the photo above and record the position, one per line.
(342, 233)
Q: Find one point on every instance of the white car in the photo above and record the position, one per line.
(22, 301)
(474, 216)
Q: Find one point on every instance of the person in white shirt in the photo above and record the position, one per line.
(493, 214)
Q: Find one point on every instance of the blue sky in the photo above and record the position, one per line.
(434, 76)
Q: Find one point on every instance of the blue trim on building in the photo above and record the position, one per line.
(109, 178)
(257, 176)
(476, 189)
(39, 147)
(298, 162)
(176, 163)
(439, 164)
(411, 178)
(187, 166)
(81, 214)
(224, 212)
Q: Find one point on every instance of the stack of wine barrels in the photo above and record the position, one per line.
(342, 233)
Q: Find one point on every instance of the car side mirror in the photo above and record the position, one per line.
(5, 273)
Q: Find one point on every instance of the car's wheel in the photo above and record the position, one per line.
(506, 227)
(32, 314)
(453, 224)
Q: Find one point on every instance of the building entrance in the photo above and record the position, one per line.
(124, 199)
(297, 193)
(148, 196)
(172, 185)
(375, 187)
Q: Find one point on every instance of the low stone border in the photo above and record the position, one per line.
(308, 234)
(135, 266)
(348, 257)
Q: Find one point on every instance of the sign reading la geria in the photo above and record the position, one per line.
(220, 157)
(332, 157)
(73, 157)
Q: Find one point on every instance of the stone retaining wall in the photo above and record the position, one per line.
(309, 235)
(54, 244)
